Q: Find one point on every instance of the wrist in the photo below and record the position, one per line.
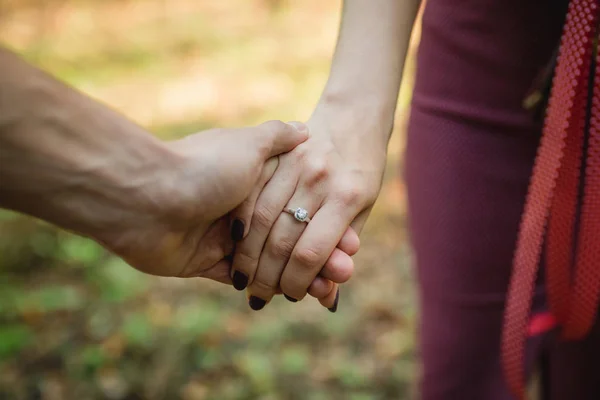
(360, 124)
(77, 164)
(131, 188)
(120, 190)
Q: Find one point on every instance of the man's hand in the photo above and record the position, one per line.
(163, 207)
(74, 162)
(180, 227)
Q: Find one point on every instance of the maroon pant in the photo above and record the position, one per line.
(470, 152)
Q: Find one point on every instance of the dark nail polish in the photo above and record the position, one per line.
(237, 230)
(256, 303)
(240, 280)
(335, 303)
(293, 300)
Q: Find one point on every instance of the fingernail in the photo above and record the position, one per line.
(335, 303)
(293, 300)
(240, 280)
(300, 127)
(237, 230)
(256, 303)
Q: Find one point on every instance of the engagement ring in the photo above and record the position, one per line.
(299, 213)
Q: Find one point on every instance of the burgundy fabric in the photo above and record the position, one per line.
(469, 156)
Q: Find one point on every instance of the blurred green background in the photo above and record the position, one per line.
(76, 323)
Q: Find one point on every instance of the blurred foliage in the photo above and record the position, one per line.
(77, 323)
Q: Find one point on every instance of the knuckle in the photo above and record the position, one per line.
(271, 129)
(262, 286)
(244, 262)
(308, 257)
(350, 197)
(263, 217)
(316, 170)
(350, 194)
(299, 154)
(275, 126)
(281, 248)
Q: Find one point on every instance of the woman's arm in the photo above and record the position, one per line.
(366, 71)
(336, 174)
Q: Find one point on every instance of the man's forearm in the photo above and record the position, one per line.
(369, 59)
(64, 157)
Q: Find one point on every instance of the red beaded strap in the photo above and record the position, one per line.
(553, 200)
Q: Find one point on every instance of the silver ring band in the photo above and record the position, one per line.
(300, 214)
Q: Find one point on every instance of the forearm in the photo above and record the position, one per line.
(369, 59)
(65, 158)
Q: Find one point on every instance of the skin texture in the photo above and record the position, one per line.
(336, 174)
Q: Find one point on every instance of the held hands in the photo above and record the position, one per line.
(181, 226)
(185, 226)
(164, 207)
(336, 178)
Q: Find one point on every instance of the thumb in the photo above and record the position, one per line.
(276, 137)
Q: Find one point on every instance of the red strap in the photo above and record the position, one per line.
(552, 202)
(586, 288)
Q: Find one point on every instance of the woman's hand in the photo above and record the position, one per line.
(336, 177)
(336, 174)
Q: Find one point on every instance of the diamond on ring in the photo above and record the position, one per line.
(301, 214)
